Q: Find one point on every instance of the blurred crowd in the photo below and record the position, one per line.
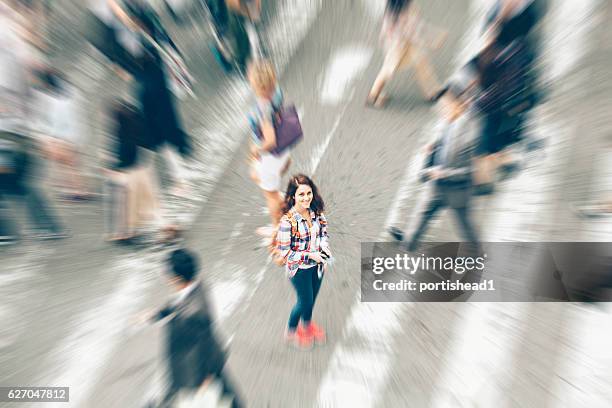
(484, 110)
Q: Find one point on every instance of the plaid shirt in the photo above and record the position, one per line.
(295, 249)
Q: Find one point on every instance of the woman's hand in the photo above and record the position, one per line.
(327, 252)
(315, 256)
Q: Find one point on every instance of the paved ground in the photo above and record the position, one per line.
(68, 308)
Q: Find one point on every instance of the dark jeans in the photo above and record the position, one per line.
(307, 284)
(435, 205)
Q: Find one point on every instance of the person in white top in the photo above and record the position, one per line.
(405, 38)
(58, 120)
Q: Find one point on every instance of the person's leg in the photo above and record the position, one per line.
(316, 285)
(309, 294)
(7, 230)
(39, 212)
(384, 76)
(393, 58)
(121, 207)
(428, 213)
(302, 284)
(274, 201)
(270, 168)
(465, 224)
(315, 330)
(132, 199)
(74, 175)
(228, 390)
(175, 167)
(488, 147)
(425, 75)
(148, 207)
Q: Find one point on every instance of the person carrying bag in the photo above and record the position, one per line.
(276, 130)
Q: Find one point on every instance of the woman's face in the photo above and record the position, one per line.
(303, 197)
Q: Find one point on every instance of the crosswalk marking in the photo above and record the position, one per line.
(78, 361)
(342, 70)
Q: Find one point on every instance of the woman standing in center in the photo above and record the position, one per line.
(303, 242)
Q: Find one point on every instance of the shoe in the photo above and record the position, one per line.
(396, 233)
(317, 332)
(303, 339)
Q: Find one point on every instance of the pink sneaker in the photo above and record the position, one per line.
(317, 333)
(304, 338)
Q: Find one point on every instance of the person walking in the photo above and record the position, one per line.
(59, 120)
(195, 356)
(149, 67)
(17, 62)
(448, 170)
(267, 167)
(508, 79)
(303, 244)
(405, 38)
(132, 200)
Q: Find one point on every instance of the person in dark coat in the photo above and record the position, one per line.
(195, 356)
(508, 80)
(146, 66)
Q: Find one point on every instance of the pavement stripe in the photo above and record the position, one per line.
(337, 86)
(342, 70)
(319, 151)
(79, 359)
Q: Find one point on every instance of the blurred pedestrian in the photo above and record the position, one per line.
(58, 119)
(303, 245)
(17, 62)
(507, 75)
(195, 356)
(267, 165)
(132, 200)
(147, 53)
(406, 37)
(448, 169)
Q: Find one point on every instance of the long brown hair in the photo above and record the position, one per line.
(317, 205)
